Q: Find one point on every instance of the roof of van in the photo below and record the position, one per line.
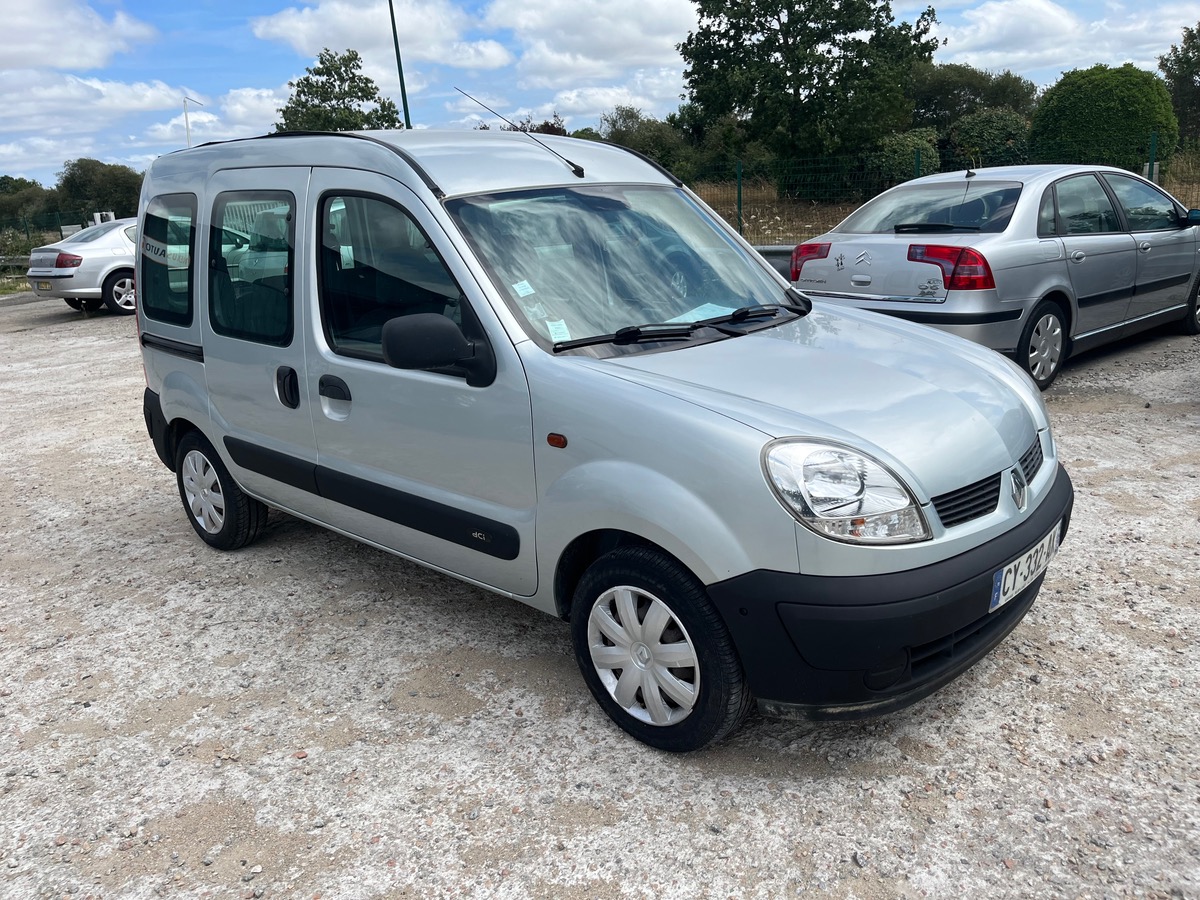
(449, 162)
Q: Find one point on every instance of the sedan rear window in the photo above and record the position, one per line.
(948, 206)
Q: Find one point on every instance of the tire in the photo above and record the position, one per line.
(118, 293)
(1044, 344)
(221, 513)
(655, 653)
(1191, 321)
(73, 303)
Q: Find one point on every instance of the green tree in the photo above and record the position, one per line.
(943, 93)
(1181, 66)
(809, 78)
(88, 185)
(990, 137)
(895, 159)
(630, 127)
(546, 126)
(1104, 115)
(336, 96)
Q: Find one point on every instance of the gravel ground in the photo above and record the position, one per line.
(310, 717)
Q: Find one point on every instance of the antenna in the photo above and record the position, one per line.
(576, 169)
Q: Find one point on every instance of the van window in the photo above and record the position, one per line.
(167, 246)
(376, 264)
(251, 253)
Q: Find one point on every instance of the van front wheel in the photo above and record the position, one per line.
(221, 513)
(655, 653)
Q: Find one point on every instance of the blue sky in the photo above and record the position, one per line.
(106, 79)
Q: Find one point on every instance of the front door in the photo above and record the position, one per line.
(1166, 248)
(416, 461)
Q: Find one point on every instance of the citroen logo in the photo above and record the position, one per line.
(1020, 489)
(863, 258)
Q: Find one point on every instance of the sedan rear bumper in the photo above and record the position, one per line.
(837, 648)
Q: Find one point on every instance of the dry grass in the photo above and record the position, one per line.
(768, 219)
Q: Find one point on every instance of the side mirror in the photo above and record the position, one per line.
(431, 341)
(1193, 217)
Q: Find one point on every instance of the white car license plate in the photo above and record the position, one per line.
(1016, 576)
(44, 286)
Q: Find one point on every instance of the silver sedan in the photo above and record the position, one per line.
(89, 269)
(1038, 262)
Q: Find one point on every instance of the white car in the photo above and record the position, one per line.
(89, 269)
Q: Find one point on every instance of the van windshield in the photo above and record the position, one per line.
(574, 263)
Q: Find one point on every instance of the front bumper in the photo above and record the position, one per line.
(840, 648)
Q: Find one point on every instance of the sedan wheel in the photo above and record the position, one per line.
(1043, 344)
(118, 293)
(1191, 322)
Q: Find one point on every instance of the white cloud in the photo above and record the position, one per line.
(92, 103)
(566, 42)
(66, 34)
(431, 31)
(1044, 38)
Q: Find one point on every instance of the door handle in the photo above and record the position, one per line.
(334, 388)
(287, 386)
(1078, 256)
(1145, 246)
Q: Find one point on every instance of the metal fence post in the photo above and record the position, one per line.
(739, 197)
(916, 162)
(1150, 173)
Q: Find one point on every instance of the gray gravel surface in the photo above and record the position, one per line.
(310, 717)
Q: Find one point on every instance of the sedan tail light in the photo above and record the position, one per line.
(804, 252)
(963, 268)
(67, 261)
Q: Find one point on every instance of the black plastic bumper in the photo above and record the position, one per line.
(156, 426)
(838, 648)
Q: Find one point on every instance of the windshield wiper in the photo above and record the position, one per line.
(931, 227)
(634, 334)
(674, 331)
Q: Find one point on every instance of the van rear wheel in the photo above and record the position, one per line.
(223, 516)
(655, 653)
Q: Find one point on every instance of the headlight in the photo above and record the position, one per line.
(843, 494)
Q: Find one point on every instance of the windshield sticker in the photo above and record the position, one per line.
(164, 254)
(523, 289)
(705, 311)
(558, 330)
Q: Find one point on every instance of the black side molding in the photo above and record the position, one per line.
(418, 513)
(183, 349)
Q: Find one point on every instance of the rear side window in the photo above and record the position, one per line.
(251, 252)
(377, 264)
(168, 245)
(1084, 207)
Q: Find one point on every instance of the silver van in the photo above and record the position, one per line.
(547, 368)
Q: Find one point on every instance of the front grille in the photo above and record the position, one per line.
(968, 503)
(1031, 461)
(980, 498)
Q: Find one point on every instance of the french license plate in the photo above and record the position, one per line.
(1017, 575)
(44, 285)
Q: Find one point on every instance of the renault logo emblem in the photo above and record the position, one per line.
(1020, 489)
